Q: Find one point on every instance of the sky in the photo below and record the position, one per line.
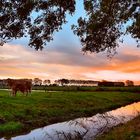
(63, 58)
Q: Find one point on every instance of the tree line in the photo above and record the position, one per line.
(64, 82)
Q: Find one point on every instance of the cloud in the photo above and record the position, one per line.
(38, 74)
(67, 62)
(113, 75)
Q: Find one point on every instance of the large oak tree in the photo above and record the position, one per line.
(105, 24)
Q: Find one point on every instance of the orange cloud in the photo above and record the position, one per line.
(68, 62)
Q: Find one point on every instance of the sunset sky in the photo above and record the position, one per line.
(63, 58)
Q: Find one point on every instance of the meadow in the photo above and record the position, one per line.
(20, 114)
(88, 88)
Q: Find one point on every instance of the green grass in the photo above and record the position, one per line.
(88, 88)
(10, 126)
(40, 108)
(128, 131)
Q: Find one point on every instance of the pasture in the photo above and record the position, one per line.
(88, 88)
(20, 114)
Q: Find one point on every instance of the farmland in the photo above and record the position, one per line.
(20, 114)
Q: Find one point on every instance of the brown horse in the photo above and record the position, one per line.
(22, 85)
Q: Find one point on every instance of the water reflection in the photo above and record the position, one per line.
(83, 128)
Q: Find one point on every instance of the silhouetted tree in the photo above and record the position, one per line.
(37, 81)
(129, 83)
(105, 23)
(119, 84)
(106, 83)
(62, 81)
(82, 82)
(46, 82)
(18, 19)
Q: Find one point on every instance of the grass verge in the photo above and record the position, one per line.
(128, 131)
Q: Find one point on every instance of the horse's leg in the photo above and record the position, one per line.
(22, 91)
(15, 93)
(26, 92)
(11, 92)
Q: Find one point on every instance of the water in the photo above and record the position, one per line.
(84, 128)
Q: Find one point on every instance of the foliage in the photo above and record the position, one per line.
(17, 20)
(129, 83)
(37, 81)
(105, 23)
(46, 82)
(62, 81)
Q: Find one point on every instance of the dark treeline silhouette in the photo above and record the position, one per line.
(75, 82)
(71, 82)
(87, 82)
(67, 85)
(111, 84)
(129, 83)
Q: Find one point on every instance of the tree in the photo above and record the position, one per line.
(46, 82)
(37, 81)
(62, 81)
(106, 22)
(129, 83)
(16, 19)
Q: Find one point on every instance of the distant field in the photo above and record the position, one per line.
(86, 88)
(19, 114)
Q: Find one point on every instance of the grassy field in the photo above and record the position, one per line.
(128, 131)
(88, 88)
(84, 88)
(20, 114)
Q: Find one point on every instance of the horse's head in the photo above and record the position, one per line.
(9, 81)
